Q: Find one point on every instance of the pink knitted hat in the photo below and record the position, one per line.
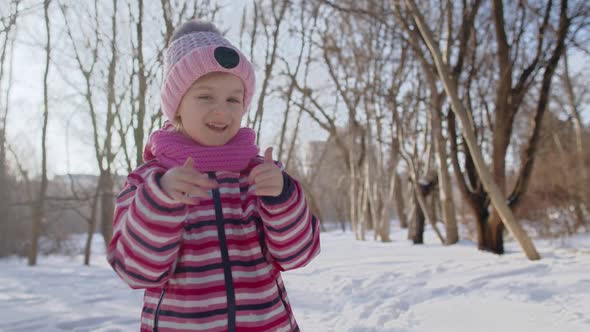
(196, 54)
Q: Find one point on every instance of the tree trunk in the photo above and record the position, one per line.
(141, 76)
(89, 236)
(411, 216)
(579, 215)
(384, 220)
(420, 192)
(494, 235)
(107, 206)
(424, 194)
(39, 207)
(384, 230)
(479, 211)
(399, 202)
(445, 190)
(421, 198)
(417, 229)
(352, 208)
(502, 129)
(106, 182)
(583, 191)
(362, 211)
(5, 195)
(357, 190)
(91, 226)
(313, 206)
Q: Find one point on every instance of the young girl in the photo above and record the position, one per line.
(205, 225)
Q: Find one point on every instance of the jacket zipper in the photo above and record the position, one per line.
(231, 296)
(157, 314)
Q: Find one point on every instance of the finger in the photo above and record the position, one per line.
(190, 172)
(272, 191)
(180, 197)
(268, 177)
(269, 184)
(192, 190)
(260, 169)
(268, 155)
(200, 180)
(189, 163)
(205, 182)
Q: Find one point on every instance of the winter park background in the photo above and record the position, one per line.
(444, 145)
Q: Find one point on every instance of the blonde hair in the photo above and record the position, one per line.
(177, 123)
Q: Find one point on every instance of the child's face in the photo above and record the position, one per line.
(211, 110)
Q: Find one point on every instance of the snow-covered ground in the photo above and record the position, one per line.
(351, 286)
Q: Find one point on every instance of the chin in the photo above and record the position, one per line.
(216, 144)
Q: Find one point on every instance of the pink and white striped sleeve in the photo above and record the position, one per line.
(147, 230)
(291, 231)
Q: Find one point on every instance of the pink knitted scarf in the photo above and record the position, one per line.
(172, 148)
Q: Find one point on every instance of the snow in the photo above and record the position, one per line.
(352, 286)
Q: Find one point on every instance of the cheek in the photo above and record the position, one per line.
(238, 117)
(191, 108)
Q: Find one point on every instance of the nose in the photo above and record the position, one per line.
(219, 108)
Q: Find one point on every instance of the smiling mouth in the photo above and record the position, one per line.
(217, 127)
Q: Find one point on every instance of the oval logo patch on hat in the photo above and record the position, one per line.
(226, 57)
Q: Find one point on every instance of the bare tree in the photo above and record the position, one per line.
(102, 132)
(38, 208)
(7, 41)
(7, 31)
(90, 218)
(582, 193)
(352, 142)
(436, 106)
(270, 18)
(384, 153)
(356, 66)
(507, 106)
(469, 133)
(400, 206)
(308, 20)
(419, 169)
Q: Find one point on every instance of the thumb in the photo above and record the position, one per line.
(188, 163)
(268, 155)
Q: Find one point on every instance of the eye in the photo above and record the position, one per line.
(205, 97)
(234, 100)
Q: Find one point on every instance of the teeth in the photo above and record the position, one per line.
(217, 126)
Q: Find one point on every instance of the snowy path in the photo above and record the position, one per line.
(352, 286)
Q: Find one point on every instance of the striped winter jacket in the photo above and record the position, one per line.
(214, 266)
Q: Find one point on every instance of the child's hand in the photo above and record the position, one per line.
(184, 181)
(267, 177)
